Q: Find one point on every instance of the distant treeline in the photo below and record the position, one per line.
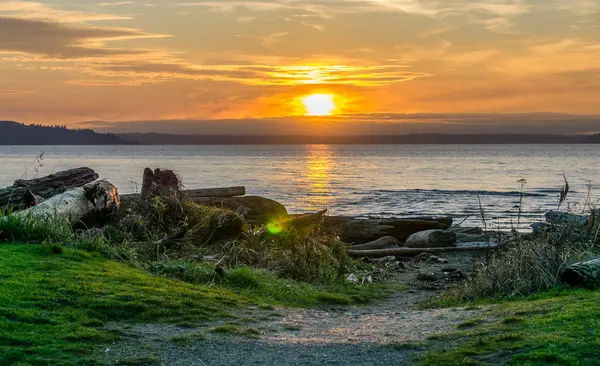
(14, 133)
(171, 139)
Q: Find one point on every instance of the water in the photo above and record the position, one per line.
(373, 180)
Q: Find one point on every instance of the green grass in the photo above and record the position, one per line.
(549, 328)
(266, 287)
(54, 303)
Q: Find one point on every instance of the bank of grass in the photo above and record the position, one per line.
(55, 300)
(558, 327)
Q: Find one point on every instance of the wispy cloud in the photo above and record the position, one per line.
(41, 11)
(16, 92)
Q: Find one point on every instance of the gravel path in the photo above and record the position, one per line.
(386, 332)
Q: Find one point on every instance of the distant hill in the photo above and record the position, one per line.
(170, 139)
(14, 133)
(593, 139)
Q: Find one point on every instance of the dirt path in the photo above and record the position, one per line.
(387, 332)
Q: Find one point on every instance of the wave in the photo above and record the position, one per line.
(434, 192)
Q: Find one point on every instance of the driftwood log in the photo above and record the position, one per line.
(195, 194)
(359, 231)
(381, 243)
(45, 187)
(583, 274)
(92, 201)
(378, 253)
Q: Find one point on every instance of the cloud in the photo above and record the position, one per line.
(264, 74)
(117, 3)
(16, 92)
(55, 40)
(40, 11)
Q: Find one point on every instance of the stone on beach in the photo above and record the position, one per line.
(431, 239)
(359, 231)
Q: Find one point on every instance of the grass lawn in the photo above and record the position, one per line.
(552, 328)
(55, 301)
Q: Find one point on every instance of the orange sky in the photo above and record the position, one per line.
(66, 61)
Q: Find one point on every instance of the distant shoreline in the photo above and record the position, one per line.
(18, 134)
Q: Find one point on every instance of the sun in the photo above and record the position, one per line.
(319, 104)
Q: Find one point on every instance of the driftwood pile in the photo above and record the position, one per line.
(77, 196)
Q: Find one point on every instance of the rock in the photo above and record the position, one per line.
(262, 210)
(381, 243)
(566, 218)
(388, 259)
(585, 274)
(431, 239)
(436, 259)
(427, 277)
(359, 231)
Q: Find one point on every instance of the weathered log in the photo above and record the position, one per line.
(358, 231)
(216, 192)
(98, 199)
(195, 194)
(381, 243)
(45, 187)
(431, 239)
(377, 253)
(159, 182)
(582, 274)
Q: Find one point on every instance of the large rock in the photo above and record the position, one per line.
(359, 231)
(262, 210)
(431, 239)
(566, 218)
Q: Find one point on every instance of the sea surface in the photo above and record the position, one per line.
(359, 180)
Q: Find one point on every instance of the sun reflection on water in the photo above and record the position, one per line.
(317, 177)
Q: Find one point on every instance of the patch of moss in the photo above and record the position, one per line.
(548, 329)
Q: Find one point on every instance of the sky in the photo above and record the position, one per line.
(247, 66)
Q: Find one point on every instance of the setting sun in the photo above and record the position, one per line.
(319, 104)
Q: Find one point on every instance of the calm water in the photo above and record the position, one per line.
(387, 180)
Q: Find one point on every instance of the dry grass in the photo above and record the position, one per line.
(302, 255)
(524, 267)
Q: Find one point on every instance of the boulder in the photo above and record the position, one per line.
(566, 218)
(431, 239)
(261, 210)
(359, 231)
